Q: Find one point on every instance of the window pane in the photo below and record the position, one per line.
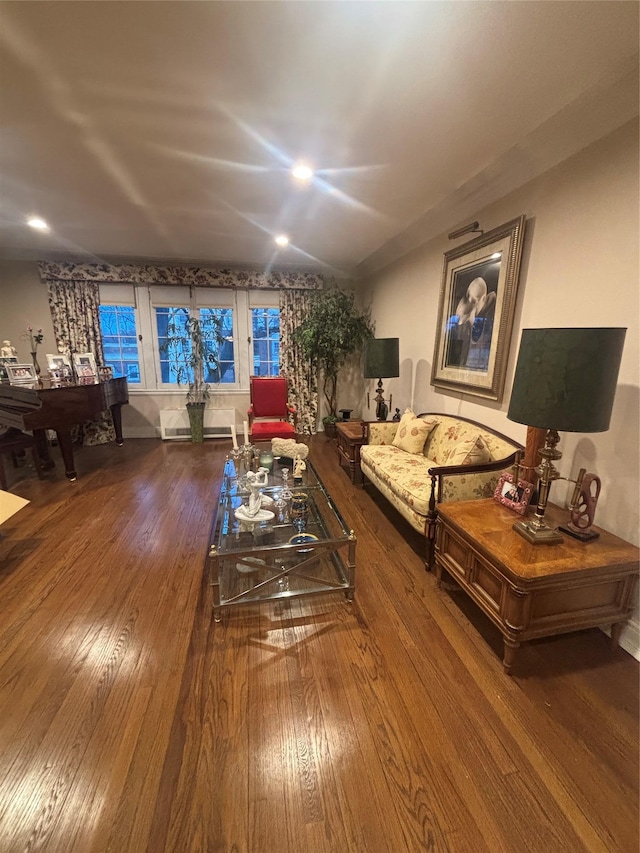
(265, 323)
(120, 353)
(174, 345)
(217, 327)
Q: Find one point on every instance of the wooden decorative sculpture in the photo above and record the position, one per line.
(583, 508)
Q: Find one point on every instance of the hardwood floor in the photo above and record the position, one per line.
(129, 721)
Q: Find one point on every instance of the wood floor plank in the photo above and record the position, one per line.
(130, 721)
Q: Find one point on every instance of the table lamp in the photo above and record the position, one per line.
(381, 360)
(565, 380)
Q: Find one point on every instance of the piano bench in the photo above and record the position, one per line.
(12, 442)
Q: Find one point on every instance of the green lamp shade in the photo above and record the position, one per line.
(566, 379)
(381, 358)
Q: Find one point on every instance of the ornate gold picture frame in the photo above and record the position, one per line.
(475, 312)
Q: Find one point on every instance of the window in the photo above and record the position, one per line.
(265, 325)
(136, 321)
(120, 340)
(175, 349)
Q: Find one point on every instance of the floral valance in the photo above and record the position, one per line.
(196, 276)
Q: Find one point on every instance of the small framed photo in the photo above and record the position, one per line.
(515, 496)
(4, 360)
(106, 373)
(85, 365)
(21, 374)
(58, 361)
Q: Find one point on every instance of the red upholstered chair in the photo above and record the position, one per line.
(269, 410)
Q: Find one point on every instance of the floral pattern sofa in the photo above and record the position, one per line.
(430, 458)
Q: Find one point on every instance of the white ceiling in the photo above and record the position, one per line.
(165, 130)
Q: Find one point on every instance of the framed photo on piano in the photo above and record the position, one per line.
(84, 364)
(58, 361)
(21, 374)
(4, 360)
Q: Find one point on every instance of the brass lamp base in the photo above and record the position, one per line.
(536, 533)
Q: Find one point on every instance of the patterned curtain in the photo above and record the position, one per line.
(301, 374)
(75, 311)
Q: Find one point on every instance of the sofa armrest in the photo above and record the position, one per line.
(380, 432)
(441, 473)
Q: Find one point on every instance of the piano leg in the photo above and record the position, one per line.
(116, 414)
(66, 449)
(42, 446)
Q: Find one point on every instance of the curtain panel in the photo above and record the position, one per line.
(75, 311)
(301, 375)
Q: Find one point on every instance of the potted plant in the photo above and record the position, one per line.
(332, 330)
(192, 344)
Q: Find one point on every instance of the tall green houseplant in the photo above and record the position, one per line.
(332, 330)
(193, 344)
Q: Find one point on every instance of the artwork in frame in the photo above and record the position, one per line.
(515, 496)
(85, 367)
(475, 312)
(21, 374)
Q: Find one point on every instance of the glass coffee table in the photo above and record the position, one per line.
(270, 559)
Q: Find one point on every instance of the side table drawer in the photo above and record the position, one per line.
(460, 560)
(489, 588)
(454, 554)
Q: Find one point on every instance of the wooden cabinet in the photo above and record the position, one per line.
(532, 591)
(350, 438)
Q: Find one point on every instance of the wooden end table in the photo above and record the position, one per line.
(349, 439)
(531, 591)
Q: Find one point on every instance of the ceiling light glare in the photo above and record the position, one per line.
(37, 223)
(301, 172)
(282, 240)
(496, 255)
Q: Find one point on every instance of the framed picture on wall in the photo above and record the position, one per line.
(475, 312)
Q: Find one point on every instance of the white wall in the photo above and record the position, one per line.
(580, 268)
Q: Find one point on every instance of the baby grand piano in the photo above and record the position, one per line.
(60, 409)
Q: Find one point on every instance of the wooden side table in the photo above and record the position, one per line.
(349, 439)
(532, 591)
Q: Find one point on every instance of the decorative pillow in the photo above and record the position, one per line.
(412, 432)
(473, 451)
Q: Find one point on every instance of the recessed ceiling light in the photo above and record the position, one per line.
(37, 223)
(282, 240)
(497, 255)
(302, 172)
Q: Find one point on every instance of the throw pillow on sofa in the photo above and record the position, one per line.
(472, 451)
(412, 432)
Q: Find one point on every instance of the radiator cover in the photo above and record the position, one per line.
(174, 423)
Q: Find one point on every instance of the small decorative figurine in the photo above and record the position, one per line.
(396, 417)
(299, 466)
(7, 350)
(255, 481)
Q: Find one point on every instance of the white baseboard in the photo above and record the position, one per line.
(630, 638)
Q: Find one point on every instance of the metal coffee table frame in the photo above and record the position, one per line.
(252, 563)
